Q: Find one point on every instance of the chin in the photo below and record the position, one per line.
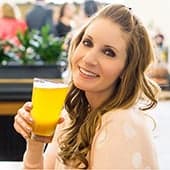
(80, 86)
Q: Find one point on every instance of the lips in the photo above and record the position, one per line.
(88, 73)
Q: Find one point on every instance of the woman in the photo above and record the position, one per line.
(10, 23)
(64, 25)
(104, 126)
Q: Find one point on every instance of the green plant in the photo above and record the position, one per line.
(5, 55)
(24, 51)
(42, 45)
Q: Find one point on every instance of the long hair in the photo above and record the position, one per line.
(132, 86)
(62, 10)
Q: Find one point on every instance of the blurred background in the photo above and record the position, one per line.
(34, 41)
(153, 13)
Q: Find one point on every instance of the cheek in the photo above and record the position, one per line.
(72, 62)
(77, 55)
(114, 70)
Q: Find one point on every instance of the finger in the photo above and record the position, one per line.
(23, 133)
(20, 122)
(21, 130)
(25, 115)
(28, 106)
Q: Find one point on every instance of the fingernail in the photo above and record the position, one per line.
(30, 119)
(29, 104)
(29, 129)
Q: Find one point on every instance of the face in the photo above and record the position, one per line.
(70, 10)
(100, 57)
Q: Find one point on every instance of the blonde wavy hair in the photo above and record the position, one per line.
(75, 142)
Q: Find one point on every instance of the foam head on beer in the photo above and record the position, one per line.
(42, 83)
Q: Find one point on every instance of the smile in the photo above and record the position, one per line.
(88, 73)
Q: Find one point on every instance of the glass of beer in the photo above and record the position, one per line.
(47, 99)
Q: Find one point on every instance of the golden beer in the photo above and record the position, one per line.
(47, 100)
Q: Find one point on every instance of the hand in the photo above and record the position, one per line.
(23, 124)
(23, 121)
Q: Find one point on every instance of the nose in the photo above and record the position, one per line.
(90, 57)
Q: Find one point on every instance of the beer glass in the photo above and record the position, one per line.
(47, 99)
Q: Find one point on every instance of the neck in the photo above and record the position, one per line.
(96, 99)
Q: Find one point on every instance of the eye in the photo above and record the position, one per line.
(109, 52)
(87, 42)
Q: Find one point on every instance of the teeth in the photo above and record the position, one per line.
(87, 73)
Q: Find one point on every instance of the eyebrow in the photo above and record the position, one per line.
(106, 46)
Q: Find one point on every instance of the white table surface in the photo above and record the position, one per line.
(10, 165)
